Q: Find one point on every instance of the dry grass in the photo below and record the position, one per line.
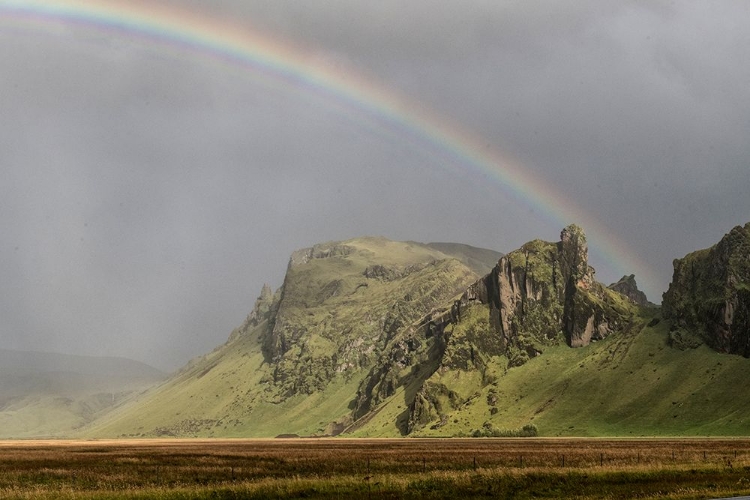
(404, 468)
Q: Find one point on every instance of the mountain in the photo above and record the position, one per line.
(375, 338)
(629, 288)
(297, 361)
(47, 394)
(539, 296)
(709, 297)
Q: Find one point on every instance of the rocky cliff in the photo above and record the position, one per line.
(341, 303)
(710, 295)
(544, 291)
(380, 339)
(540, 295)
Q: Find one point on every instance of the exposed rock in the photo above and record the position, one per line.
(321, 251)
(382, 273)
(682, 339)
(710, 294)
(342, 303)
(628, 287)
(539, 295)
(262, 306)
(574, 254)
(386, 273)
(262, 311)
(544, 290)
(431, 403)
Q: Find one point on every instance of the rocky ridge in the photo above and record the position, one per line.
(629, 288)
(341, 303)
(380, 338)
(539, 295)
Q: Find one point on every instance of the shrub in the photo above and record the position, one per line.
(489, 430)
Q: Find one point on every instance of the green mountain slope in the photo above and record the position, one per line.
(540, 296)
(295, 365)
(49, 395)
(377, 338)
(631, 384)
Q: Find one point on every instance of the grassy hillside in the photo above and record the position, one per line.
(48, 395)
(222, 395)
(296, 364)
(383, 339)
(628, 385)
(632, 384)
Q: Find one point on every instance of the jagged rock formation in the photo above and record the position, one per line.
(262, 311)
(710, 295)
(543, 290)
(341, 303)
(539, 295)
(628, 287)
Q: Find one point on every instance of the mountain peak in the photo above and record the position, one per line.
(629, 288)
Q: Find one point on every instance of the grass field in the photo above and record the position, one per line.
(350, 468)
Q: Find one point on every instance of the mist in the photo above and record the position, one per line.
(149, 192)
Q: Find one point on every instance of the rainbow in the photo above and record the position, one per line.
(192, 35)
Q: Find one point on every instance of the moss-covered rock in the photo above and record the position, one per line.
(546, 291)
(341, 304)
(540, 295)
(710, 294)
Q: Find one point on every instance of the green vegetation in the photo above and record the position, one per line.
(632, 384)
(375, 338)
(489, 430)
(295, 365)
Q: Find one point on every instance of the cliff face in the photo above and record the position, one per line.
(341, 303)
(543, 291)
(710, 294)
(540, 295)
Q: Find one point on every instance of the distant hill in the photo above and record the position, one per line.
(49, 395)
(371, 337)
(480, 260)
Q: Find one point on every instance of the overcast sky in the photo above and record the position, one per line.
(147, 194)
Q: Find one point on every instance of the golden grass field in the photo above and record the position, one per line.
(360, 468)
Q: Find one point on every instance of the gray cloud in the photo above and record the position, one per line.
(147, 194)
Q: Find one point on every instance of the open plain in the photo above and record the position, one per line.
(359, 468)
